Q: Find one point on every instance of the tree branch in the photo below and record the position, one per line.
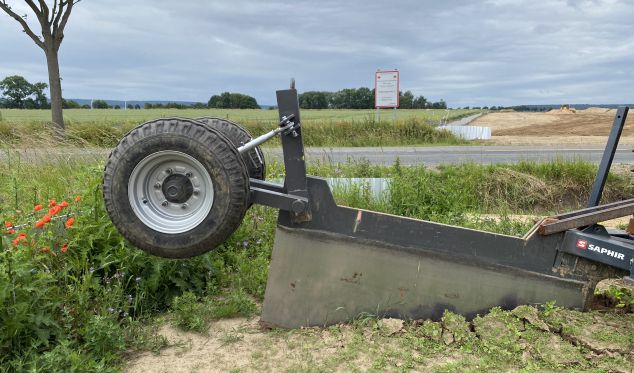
(59, 32)
(60, 11)
(53, 14)
(4, 6)
(45, 13)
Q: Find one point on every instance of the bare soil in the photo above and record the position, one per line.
(546, 339)
(590, 126)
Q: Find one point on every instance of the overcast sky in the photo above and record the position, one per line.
(491, 52)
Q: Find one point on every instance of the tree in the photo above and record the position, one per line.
(227, 100)
(70, 104)
(52, 21)
(19, 93)
(16, 89)
(137, 106)
(313, 100)
(406, 100)
(100, 104)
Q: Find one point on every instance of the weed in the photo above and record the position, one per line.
(190, 313)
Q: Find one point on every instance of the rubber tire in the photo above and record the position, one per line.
(218, 156)
(254, 159)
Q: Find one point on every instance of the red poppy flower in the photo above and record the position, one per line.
(69, 223)
(8, 224)
(15, 242)
(51, 203)
(64, 204)
(78, 198)
(54, 210)
(37, 208)
(21, 236)
(46, 218)
(64, 247)
(11, 231)
(45, 249)
(39, 224)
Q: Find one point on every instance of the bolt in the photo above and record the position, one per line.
(196, 192)
(189, 174)
(164, 203)
(184, 206)
(144, 201)
(169, 171)
(157, 185)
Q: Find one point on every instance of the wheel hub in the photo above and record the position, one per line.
(177, 188)
(170, 191)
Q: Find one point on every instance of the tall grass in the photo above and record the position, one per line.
(329, 130)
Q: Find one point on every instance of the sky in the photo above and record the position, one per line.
(469, 53)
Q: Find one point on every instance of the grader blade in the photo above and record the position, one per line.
(349, 262)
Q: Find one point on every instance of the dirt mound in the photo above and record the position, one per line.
(596, 110)
(553, 124)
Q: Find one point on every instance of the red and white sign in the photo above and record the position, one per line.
(386, 87)
(582, 244)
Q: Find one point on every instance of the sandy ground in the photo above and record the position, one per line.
(590, 126)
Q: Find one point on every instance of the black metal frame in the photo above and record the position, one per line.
(552, 248)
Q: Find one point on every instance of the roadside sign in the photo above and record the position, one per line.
(386, 87)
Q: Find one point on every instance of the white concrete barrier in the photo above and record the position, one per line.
(469, 132)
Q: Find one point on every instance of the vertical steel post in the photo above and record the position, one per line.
(608, 156)
(292, 146)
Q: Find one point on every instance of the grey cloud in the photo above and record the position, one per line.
(495, 52)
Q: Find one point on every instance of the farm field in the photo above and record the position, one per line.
(590, 126)
(250, 116)
(104, 127)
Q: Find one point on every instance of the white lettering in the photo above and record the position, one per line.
(603, 250)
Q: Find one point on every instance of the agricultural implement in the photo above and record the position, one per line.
(180, 187)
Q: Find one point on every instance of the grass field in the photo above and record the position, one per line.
(321, 127)
(78, 297)
(247, 116)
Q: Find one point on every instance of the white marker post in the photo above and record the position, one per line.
(386, 90)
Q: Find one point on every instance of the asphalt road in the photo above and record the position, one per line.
(408, 155)
(458, 154)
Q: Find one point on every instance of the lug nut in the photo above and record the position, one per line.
(144, 201)
(184, 206)
(196, 192)
(157, 186)
(169, 171)
(164, 203)
(189, 174)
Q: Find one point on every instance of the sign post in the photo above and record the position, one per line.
(386, 90)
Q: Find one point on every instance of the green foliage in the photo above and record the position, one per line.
(20, 94)
(100, 104)
(228, 100)
(190, 313)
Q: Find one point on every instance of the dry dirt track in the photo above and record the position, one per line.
(589, 126)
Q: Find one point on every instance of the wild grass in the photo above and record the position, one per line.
(104, 128)
(79, 308)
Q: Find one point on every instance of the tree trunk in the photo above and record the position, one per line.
(56, 91)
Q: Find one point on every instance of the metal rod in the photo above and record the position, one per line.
(264, 138)
(608, 156)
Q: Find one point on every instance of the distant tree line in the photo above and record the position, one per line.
(361, 98)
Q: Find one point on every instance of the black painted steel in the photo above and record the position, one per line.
(608, 156)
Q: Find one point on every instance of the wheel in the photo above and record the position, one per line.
(175, 187)
(239, 136)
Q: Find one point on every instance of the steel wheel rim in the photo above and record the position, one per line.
(165, 212)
